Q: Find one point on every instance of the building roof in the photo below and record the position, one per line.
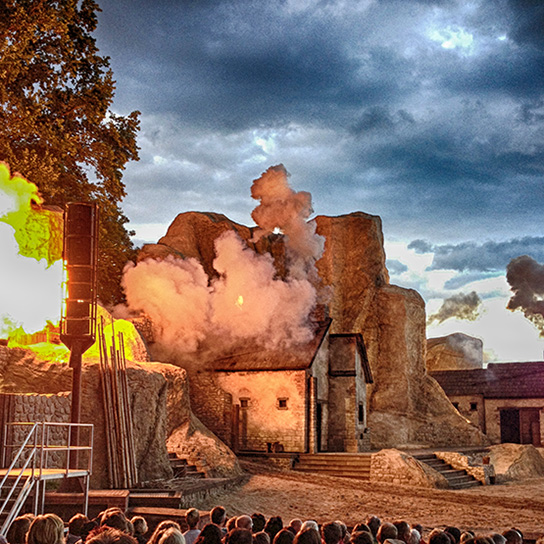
(498, 380)
(252, 358)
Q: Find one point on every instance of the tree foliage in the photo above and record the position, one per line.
(56, 128)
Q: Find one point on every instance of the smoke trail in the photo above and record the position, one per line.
(461, 306)
(526, 279)
(284, 209)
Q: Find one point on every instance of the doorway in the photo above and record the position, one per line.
(520, 426)
(510, 426)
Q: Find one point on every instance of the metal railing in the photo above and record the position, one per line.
(31, 465)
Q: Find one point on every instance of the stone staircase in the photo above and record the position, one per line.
(458, 479)
(182, 469)
(343, 465)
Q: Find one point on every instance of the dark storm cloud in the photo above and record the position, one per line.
(421, 246)
(434, 112)
(486, 257)
(469, 277)
(395, 266)
(528, 22)
(517, 72)
(234, 64)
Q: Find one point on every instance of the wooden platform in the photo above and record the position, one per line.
(68, 504)
(45, 474)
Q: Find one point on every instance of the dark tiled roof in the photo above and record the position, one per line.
(296, 358)
(498, 380)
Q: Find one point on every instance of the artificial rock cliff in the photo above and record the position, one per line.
(455, 351)
(159, 401)
(26, 374)
(407, 406)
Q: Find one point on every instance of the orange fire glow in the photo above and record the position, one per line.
(31, 270)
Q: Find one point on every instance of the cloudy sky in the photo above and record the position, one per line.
(427, 113)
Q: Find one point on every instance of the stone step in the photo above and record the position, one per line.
(178, 463)
(468, 485)
(155, 498)
(342, 465)
(182, 469)
(330, 466)
(360, 474)
(457, 479)
(335, 459)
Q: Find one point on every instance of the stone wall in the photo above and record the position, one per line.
(473, 464)
(276, 407)
(32, 407)
(347, 397)
(212, 405)
(399, 468)
(472, 407)
(148, 389)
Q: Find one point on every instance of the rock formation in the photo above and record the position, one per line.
(456, 351)
(516, 462)
(26, 374)
(406, 405)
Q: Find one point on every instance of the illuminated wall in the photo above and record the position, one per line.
(272, 407)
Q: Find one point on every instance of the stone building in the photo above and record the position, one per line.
(505, 400)
(306, 399)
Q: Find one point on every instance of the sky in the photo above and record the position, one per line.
(427, 113)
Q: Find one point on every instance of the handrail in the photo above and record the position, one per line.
(37, 465)
(45, 447)
(18, 479)
(19, 452)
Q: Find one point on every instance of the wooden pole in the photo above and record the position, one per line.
(129, 423)
(105, 397)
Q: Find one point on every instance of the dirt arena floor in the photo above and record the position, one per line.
(311, 496)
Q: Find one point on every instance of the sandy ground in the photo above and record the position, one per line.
(323, 498)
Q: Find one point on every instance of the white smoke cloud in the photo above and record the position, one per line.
(284, 209)
(247, 300)
(274, 311)
(174, 293)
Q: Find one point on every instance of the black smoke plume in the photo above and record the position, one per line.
(461, 306)
(526, 279)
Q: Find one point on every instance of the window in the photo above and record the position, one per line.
(244, 402)
(281, 403)
(361, 413)
(473, 406)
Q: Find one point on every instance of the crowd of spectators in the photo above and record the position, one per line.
(113, 527)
